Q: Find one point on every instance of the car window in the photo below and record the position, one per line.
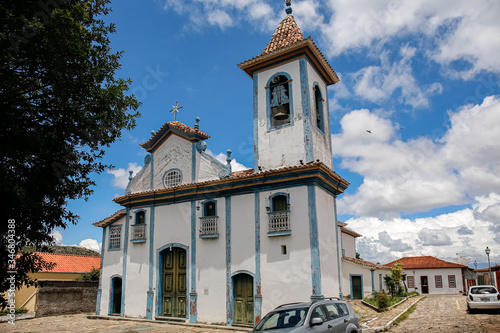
(483, 290)
(282, 319)
(318, 312)
(333, 311)
(343, 309)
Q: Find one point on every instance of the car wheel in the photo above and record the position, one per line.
(469, 310)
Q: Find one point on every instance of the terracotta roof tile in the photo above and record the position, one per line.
(424, 262)
(287, 33)
(111, 218)
(243, 174)
(178, 126)
(70, 262)
(364, 263)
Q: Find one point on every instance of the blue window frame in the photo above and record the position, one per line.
(318, 103)
(279, 100)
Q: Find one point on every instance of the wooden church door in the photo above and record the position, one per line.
(243, 299)
(174, 283)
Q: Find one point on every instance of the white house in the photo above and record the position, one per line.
(195, 240)
(430, 275)
(360, 278)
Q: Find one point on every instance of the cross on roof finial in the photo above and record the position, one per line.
(175, 109)
(288, 8)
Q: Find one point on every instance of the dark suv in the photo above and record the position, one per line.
(328, 315)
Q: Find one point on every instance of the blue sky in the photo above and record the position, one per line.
(423, 77)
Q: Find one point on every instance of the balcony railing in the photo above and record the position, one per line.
(208, 226)
(138, 233)
(279, 222)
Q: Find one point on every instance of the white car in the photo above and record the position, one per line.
(482, 297)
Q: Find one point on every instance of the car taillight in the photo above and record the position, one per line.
(471, 298)
(498, 297)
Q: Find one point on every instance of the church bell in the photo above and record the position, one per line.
(281, 114)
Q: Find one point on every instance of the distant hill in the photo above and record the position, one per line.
(82, 251)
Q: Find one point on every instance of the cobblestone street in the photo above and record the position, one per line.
(447, 313)
(80, 323)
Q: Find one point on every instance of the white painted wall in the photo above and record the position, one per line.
(327, 243)
(349, 245)
(431, 276)
(142, 180)
(321, 140)
(112, 265)
(175, 152)
(349, 268)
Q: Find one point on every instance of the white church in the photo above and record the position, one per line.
(196, 241)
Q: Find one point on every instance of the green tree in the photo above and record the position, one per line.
(396, 274)
(61, 107)
(93, 275)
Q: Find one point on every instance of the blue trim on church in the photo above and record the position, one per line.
(229, 287)
(150, 292)
(124, 259)
(314, 243)
(193, 296)
(306, 110)
(256, 121)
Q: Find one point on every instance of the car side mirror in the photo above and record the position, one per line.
(316, 321)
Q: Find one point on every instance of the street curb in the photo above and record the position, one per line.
(217, 327)
(389, 324)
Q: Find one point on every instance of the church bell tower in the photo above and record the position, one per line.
(290, 100)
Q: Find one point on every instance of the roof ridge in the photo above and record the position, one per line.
(67, 254)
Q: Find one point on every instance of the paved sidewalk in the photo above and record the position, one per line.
(81, 324)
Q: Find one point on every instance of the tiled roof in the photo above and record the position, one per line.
(424, 262)
(493, 269)
(70, 263)
(111, 218)
(341, 224)
(235, 176)
(287, 33)
(178, 126)
(364, 263)
(351, 232)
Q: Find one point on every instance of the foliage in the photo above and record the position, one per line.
(393, 280)
(93, 275)
(17, 311)
(76, 250)
(358, 256)
(61, 107)
(382, 300)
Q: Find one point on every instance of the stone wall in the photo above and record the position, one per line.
(64, 297)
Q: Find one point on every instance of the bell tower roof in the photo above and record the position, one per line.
(288, 44)
(287, 33)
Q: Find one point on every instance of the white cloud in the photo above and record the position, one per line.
(219, 18)
(441, 236)
(419, 174)
(91, 244)
(221, 157)
(379, 83)
(57, 236)
(121, 175)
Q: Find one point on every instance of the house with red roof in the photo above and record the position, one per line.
(67, 267)
(431, 275)
(489, 276)
(192, 239)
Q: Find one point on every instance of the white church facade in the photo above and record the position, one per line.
(197, 241)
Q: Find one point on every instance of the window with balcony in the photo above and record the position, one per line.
(279, 215)
(209, 220)
(138, 229)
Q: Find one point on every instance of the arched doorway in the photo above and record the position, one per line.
(243, 299)
(173, 284)
(116, 295)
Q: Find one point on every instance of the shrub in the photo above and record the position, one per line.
(382, 300)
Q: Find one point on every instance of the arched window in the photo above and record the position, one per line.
(279, 101)
(318, 102)
(279, 203)
(140, 217)
(209, 208)
(172, 177)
